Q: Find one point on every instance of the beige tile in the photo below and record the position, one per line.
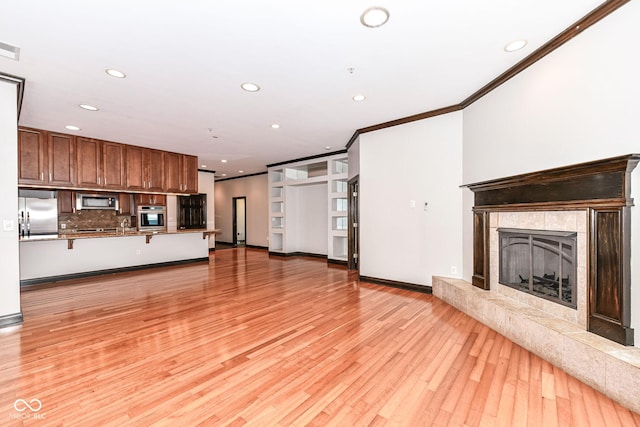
(597, 342)
(560, 220)
(582, 221)
(623, 383)
(493, 220)
(546, 343)
(584, 362)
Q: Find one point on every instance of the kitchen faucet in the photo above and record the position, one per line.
(124, 223)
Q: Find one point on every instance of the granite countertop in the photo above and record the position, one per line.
(118, 233)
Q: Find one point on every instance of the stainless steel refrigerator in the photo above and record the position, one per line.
(37, 213)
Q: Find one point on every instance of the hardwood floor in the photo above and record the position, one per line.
(253, 340)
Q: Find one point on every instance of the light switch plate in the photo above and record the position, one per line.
(8, 225)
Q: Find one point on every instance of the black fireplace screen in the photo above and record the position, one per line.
(541, 263)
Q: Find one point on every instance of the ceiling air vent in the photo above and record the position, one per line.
(12, 52)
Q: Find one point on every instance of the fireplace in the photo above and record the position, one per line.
(542, 263)
(600, 194)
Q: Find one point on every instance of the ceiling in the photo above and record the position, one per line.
(185, 62)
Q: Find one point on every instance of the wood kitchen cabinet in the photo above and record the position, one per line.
(113, 166)
(125, 204)
(151, 200)
(181, 173)
(46, 158)
(100, 164)
(89, 162)
(50, 159)
(32, 159)
(145, 169)
(66, 201)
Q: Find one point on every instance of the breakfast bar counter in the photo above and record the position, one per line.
(74, 255)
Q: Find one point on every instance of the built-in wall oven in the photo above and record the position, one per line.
(152, 218)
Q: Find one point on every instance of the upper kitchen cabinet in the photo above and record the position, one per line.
(100, 164)
(181, 173)
(32, 156)
(89, 162)
(46, 158)
(61, 158)
(145, 169)
(113, 171)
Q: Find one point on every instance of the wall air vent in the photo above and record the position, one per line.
(9, 51)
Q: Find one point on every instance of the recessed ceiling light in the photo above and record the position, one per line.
(72, 127)
(359, 98)
(203, 166)
(224, 174)
(88, 107)
(250, 87)
(327, 148)
(223, 161)
(240, 171)
(374, 17)
(515, 45)
(115, 73)
(275, 126)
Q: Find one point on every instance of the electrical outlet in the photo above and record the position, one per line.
(138, 252)
(454, 270)
(63, 226)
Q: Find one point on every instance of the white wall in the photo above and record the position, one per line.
(206, 185)
(307, 218)
(354, 159)
(580, 103)
(9, 264)
(421, 162)
(255, 189)
(240, 223)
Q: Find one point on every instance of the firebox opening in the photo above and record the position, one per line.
(539, 262)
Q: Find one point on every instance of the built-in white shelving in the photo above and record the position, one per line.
(295, 185)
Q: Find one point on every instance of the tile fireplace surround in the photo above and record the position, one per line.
(594, 341)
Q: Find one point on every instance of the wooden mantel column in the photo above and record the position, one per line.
(603, 189)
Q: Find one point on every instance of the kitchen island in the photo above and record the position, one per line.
(75, 255)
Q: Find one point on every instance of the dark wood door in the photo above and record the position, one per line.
(88, 162)
(136, 167)
(190, 174)
(173, 172)
(353, 229)
(155, 170)
(61, 159)
(32, 156)
(113, 166)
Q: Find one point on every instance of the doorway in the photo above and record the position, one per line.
(239, 205)
(353, 229)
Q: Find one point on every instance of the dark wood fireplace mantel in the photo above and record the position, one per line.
(603, 189)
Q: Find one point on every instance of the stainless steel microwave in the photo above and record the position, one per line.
(96, 201)
(152, 218)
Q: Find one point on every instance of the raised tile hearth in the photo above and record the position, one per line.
(608, 367)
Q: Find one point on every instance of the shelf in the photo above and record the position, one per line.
(339, 204)
(340, 250)
(277, 222)
(339, 223)
(276, 242)
(277, 192)
(307, 181)
(339, 185)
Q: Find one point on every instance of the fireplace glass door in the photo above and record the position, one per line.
(541, 263)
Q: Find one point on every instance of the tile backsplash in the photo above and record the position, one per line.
(92, 219)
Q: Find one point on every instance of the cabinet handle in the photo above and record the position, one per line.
(105, 181)
(144, 184)
(41, 176)
(98, 180)
(49, 176)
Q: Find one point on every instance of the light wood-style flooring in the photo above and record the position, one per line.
(253, 340)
